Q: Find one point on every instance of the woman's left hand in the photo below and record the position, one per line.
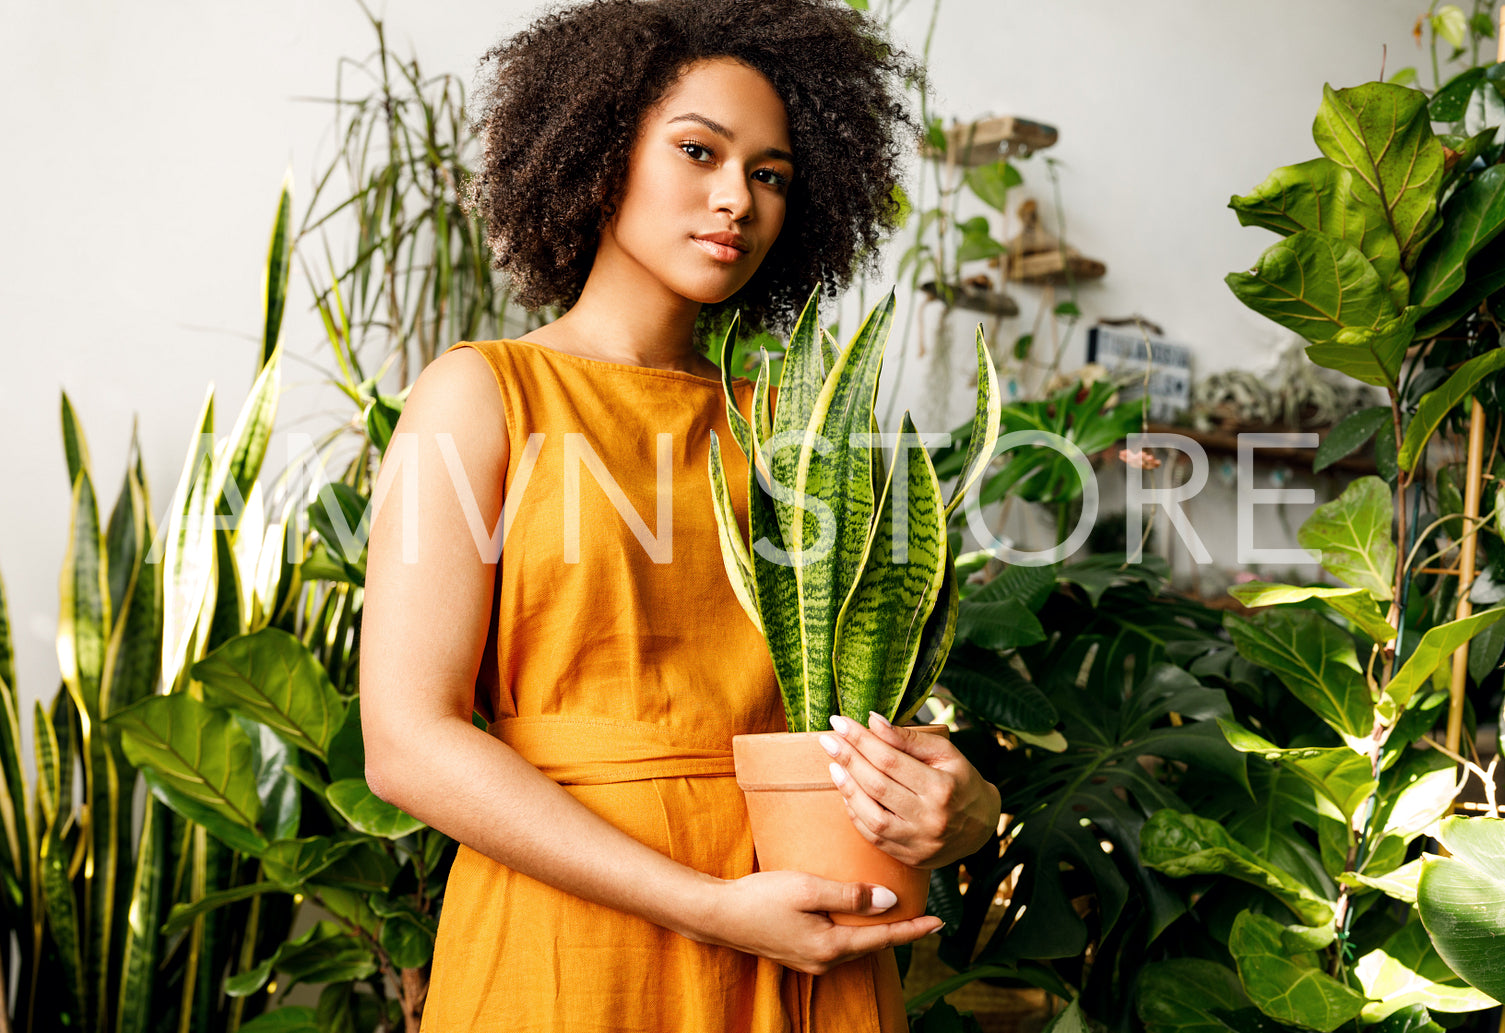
(911, 794)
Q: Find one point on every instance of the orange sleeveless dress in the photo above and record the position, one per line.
(620, 664)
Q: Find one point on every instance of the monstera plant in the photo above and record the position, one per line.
(848, 572)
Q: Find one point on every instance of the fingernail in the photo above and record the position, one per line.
(829, 745)
(838, 774)
(840, 724)
(883, 898)
(875, 718)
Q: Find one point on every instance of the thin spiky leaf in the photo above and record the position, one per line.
(800, 384)
(188, 565)
(75, 446)
(741, 429)
(140, 954)
(984, 437)
(835, 490)
(235, 476)
(880, 630)
(275, 273)
(935, 645)
(778, 605)
(729, 533)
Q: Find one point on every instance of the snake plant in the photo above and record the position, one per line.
(846, 568)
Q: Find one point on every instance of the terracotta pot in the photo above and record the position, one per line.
(800, 823)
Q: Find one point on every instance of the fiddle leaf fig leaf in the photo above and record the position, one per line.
(1352, 533)
(1353, 603)
(1182, 845)
(1435, 649)
(1315, 285)
(1462, 900)
(1318, 195)
(1290, 990)
(1349, 435)
(1189, 995)
(369, 813)
(272, 677)
(1370, 354)
(1382, 134)
(1436, 404)
(1471, 219)
(1314, 659)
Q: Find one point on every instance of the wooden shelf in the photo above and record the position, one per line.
(1226, 443)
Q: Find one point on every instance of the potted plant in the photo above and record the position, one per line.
(847, 572)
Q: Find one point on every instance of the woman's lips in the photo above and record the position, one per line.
(721, 249)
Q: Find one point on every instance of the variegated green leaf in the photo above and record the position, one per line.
(741, 429)
(777, 594)
(247, 443)
(834, 487)
(800, 383)
(880, 629)
(49, 767)
(188, 563)
(84, 622)
(734, 555)
(984, 436)
(140, 953)
(75, 446)
(278, 266)
(1381, 133)
(271, 677)
(935, 645)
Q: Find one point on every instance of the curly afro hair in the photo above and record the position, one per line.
(561, 103)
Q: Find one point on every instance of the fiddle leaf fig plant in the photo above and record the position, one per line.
(846, 568)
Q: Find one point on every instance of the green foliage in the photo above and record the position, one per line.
(1462, 900)
(858, 616)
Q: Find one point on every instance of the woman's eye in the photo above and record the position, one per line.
(695, 151)
(772, 177)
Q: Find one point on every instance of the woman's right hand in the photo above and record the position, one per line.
(786, 917)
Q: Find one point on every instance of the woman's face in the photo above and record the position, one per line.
(707, 185)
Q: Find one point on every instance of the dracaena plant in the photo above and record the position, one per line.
(846, 570)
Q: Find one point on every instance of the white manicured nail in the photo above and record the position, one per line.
(883, 898)
(838, 774)
(840, 725)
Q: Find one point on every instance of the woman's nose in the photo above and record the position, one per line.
(732, 194)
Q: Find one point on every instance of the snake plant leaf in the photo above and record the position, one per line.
(834, 486)
(49, 768)
(935, 644)
(75, 445)
(1349, 434)
(1370, 354)
(1314, 659)
(7, 646)
(123, 534)
(140, 952)
(829, 348)
(368, 812)
(134, 651)
(1190, 995)
(1472, 218)
(189, 559)
(806, 706)
(734, 555)
(199, 761)
(1182, 845)
(800, 384)
(61, 909)
(1288, 989)
(271, 677)
(1355, 604)
(1318, 195)
(1315, 285)
(741, 429)
(1436, 404)
(1382, 134)
(880, 628)
(985, 421)
(84, 623)
(278, 267)
(761, 420)
(1408, 971)
(1436, 648)
(237, 471)
(1352, 534)
(1462, 900)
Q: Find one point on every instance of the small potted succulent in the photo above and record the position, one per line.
(847, 572)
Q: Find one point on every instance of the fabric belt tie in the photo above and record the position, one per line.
(600, 751)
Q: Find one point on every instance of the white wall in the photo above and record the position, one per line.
(145, 144)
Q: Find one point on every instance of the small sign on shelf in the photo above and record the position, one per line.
(1122, 351)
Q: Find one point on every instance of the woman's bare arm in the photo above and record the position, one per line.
(424, 629)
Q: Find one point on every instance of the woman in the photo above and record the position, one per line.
(648, 164)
